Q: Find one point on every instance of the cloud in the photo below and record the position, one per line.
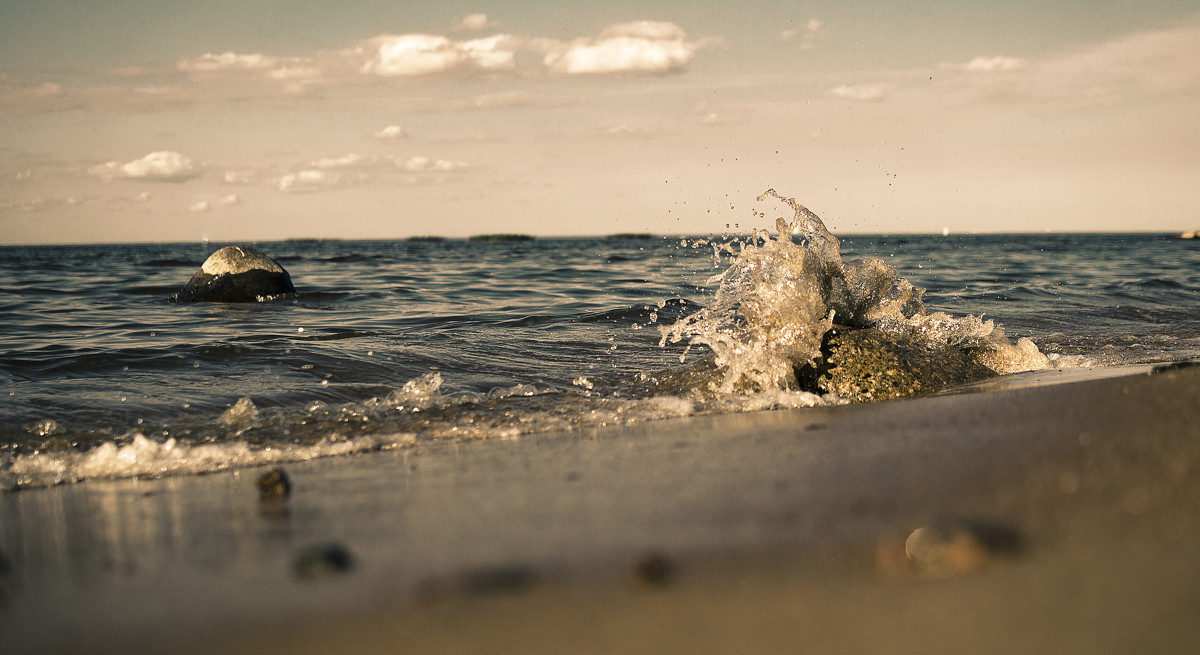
(345, 161)
(861, 92)
(19, 93)
(225, 61)
(40, 204)
(162, 166)
(989, 65)
(636, 47)
(807, 36)
(475, 23)
(231, 200)
(240, 177)
(200, 207)
(425, 54)
(1146, 65)
(311, 180)
(329, 173)
(390, 134)
(422, 164)
(293, 74)
(1136, 70)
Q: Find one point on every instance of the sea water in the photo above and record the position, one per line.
(388, 344)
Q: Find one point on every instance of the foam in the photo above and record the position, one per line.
(778, 298)
(145, 457)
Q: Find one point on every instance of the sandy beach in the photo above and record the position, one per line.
(1050, 512)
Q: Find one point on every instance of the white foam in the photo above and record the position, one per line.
(778, 298)
(144, 457)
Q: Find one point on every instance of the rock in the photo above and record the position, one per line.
(946, 548)
(237, 274)
(323, 560)
(862, 365)
(274, 485)
(654, 570)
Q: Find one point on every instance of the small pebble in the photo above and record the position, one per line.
(323, 560)
(654, 569)
(945, 549)
(274, 485)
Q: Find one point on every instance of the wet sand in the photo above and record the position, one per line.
(1056, 512)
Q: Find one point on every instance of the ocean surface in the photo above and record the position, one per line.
(393, 343)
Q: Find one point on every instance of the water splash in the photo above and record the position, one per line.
(782, 293)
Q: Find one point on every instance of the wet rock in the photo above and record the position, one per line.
(654, 569)
(862, 365)
(237, 274)
(946, 549)
(274, 485)
(323, 560)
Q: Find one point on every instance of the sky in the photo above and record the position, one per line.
(258, 120)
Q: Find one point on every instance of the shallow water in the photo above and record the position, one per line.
(394, 342)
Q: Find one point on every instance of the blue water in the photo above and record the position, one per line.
(394, 342)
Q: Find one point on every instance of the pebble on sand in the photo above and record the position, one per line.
(654, 569)
(274, 485)
(322, 560)
(945, 549)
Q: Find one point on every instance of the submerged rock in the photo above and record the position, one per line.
(862, 365)
(236, 274)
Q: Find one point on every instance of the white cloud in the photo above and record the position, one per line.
(310, 180)
(391, 134)
(345, 161)
(238, 177)
(989, 65)
(807, 36)
(143, 197)
(425, 54)
(209, 62)
(294, 74)
(344, 171)
(200, 207)
(162, 166)
(636, 47)
(862, 92)
(475, 23)
(423, 164)
(231, 200)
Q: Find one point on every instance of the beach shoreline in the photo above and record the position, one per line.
(1062, 519)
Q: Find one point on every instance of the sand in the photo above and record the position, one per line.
(1055, 512)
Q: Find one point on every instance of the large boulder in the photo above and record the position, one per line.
(861, 365)
(237, 274)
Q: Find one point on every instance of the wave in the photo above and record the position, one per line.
(777, 304)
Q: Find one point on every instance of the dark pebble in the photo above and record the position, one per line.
(323, 560)
(655, 570)
(274, 484)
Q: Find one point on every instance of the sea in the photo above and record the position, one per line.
(395, 344)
